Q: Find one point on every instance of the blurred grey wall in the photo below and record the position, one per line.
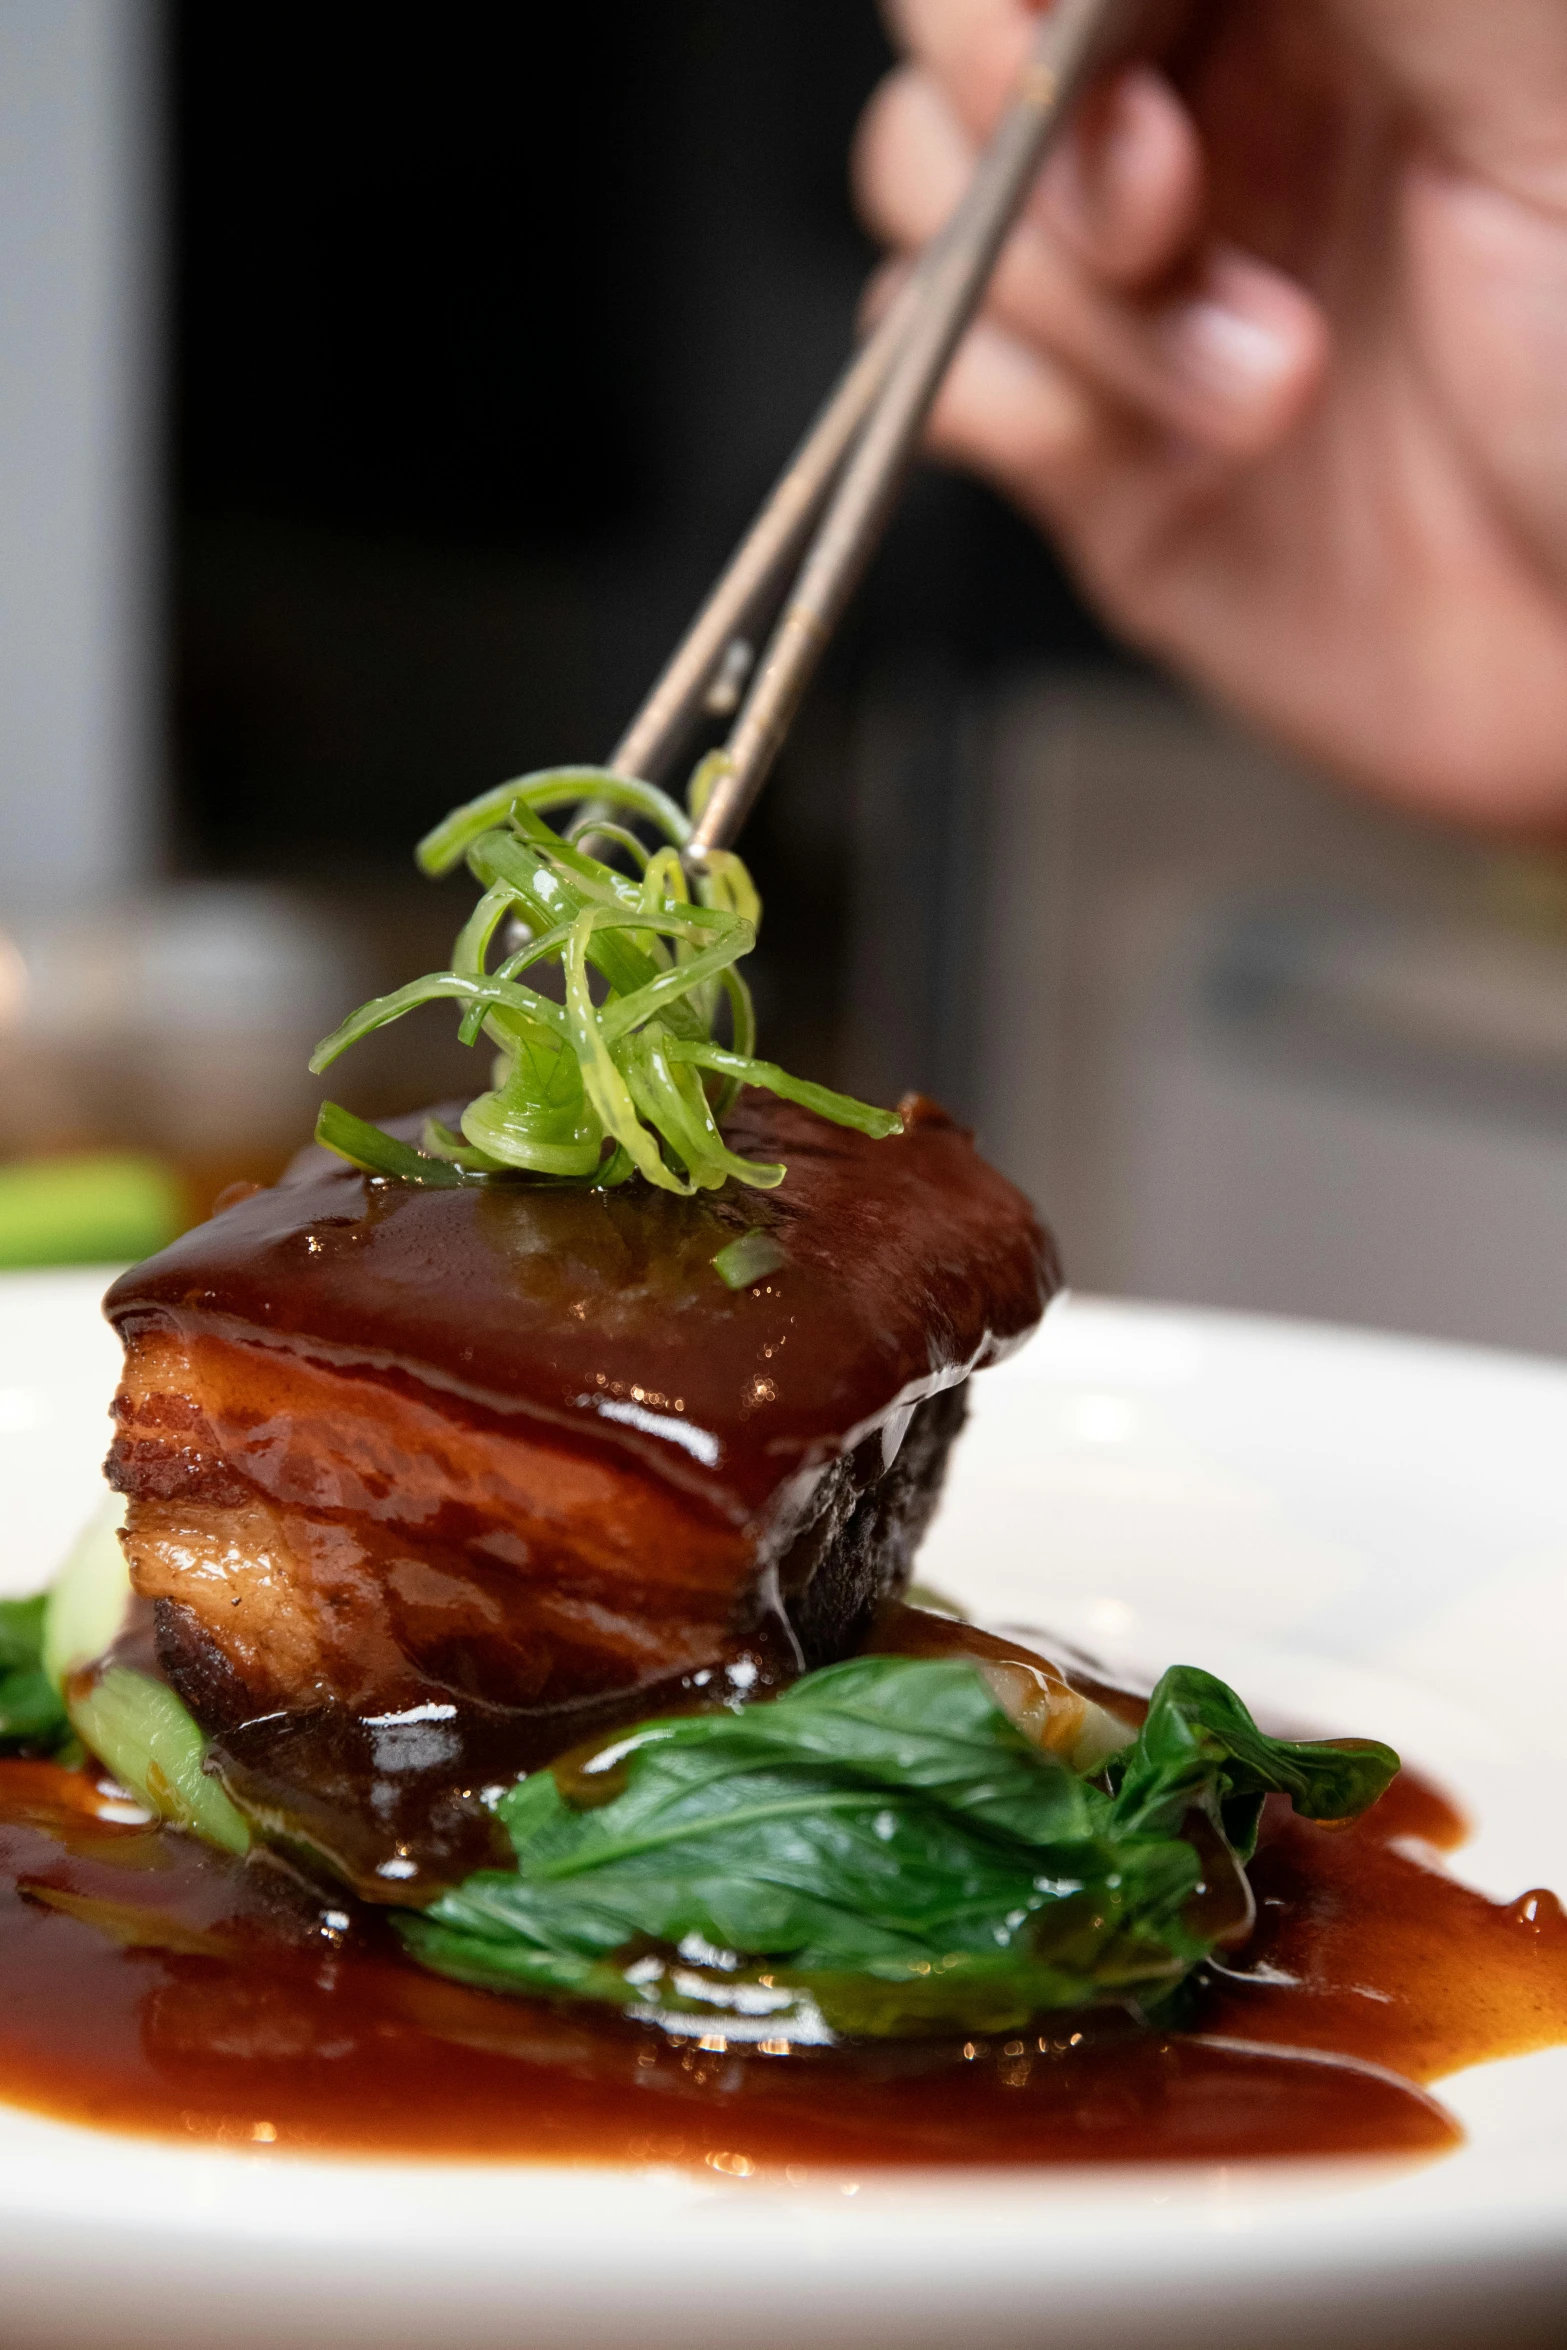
(80, 619)
(1250, 1040)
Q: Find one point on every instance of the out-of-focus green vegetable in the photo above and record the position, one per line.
(32, 1718)
(95, 1208)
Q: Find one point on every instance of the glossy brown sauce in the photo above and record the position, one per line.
(149, 1984)
(597, 1317)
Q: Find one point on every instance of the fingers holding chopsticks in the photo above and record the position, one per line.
(1108, 284)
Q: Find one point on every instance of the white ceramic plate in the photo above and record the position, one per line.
(1364, 1532)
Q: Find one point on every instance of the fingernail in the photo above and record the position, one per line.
(1228, 353)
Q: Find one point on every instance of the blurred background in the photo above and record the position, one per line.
(378, 394)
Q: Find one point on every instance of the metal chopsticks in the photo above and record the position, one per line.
(851, 465)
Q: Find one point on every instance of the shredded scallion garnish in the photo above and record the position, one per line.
(750, 1258)
(626, 1073)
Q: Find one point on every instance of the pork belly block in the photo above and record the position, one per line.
(519, 1447)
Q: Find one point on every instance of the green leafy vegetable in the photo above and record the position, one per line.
(625, 1073)
(32, 1718)
(880, 1851)
(85, 1606)
(139, 1729)
(1200, 1748)
(45, 1638)
(136, 1727)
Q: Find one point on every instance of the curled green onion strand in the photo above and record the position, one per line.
(624, 1073)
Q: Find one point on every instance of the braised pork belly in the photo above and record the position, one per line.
(423, 1483)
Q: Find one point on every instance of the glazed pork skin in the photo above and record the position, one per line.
(521, 1445)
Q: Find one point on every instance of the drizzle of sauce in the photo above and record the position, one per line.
(1365, 1947)
(149, 1984)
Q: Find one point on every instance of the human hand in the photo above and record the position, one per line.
(1279, 355)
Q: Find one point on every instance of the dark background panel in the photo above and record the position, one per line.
(491, 327)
